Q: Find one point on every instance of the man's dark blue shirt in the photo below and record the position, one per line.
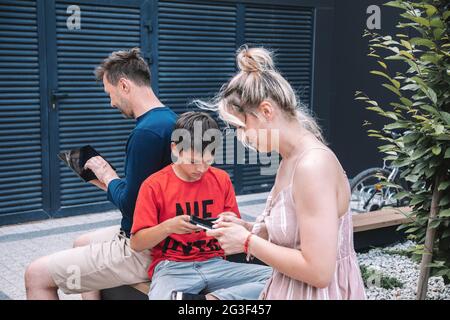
(147, 151)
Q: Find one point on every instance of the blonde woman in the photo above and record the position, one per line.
(305, 232)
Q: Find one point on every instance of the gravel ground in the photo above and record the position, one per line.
(403, 269)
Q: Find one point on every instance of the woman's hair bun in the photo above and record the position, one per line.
(254, 59)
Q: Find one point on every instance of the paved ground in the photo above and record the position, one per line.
(21, 244)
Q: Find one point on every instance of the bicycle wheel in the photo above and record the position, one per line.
(368, 194)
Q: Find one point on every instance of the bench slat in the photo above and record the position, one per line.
(143, 287)
(380, 219)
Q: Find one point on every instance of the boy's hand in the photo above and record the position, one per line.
(180, 225)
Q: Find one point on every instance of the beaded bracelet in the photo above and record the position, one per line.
(246, 243)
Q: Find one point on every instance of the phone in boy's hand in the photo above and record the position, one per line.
(206, 224)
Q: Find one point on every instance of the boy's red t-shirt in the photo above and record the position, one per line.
(163, 196)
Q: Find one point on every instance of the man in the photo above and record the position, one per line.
(103, 259)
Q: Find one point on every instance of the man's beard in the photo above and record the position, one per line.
(122, 107)
(125, 115)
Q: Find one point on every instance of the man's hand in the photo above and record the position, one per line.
(105, 174)
(99, 184)
(180, 225)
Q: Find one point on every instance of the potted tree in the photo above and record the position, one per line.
(421, 111)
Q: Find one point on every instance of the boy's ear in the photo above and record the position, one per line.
(173, 147)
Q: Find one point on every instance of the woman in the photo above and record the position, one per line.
(305, 232)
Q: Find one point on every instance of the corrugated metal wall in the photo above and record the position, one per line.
(20, 117)
(190, 46)
(289, 32)
(85, 116)
(197, 44)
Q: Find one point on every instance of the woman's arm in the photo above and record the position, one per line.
(315, 196)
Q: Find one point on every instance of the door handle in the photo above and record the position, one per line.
(56, 96)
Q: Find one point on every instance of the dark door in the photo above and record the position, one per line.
(81, 113)
(23, 142)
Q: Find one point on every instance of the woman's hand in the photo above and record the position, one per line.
(231, 236)
(232, 217)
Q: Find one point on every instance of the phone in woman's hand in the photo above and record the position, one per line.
(206, 224)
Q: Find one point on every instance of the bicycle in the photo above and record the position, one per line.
(368, 192)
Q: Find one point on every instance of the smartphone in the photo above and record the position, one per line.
(206, 224)
(76, 159)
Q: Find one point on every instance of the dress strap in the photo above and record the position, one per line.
(301, 156)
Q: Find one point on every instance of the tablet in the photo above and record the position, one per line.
(76, 159)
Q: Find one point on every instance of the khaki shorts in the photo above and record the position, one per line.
(106, 263)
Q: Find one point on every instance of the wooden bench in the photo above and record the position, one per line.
(137, 291)
(379, 228)
(380, 219)
(371, 229)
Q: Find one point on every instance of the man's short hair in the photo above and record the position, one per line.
(202, 122)
(124, 64)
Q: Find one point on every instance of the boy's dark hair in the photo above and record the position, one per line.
(127, 64)
(203, 121)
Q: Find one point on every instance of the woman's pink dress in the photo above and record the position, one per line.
(283, 228)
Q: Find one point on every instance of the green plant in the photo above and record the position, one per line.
(421, 110)
(404, 253)
(386, 282)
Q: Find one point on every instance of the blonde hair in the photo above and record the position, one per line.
(256, 81)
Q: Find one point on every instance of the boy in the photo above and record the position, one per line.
(186, 261)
